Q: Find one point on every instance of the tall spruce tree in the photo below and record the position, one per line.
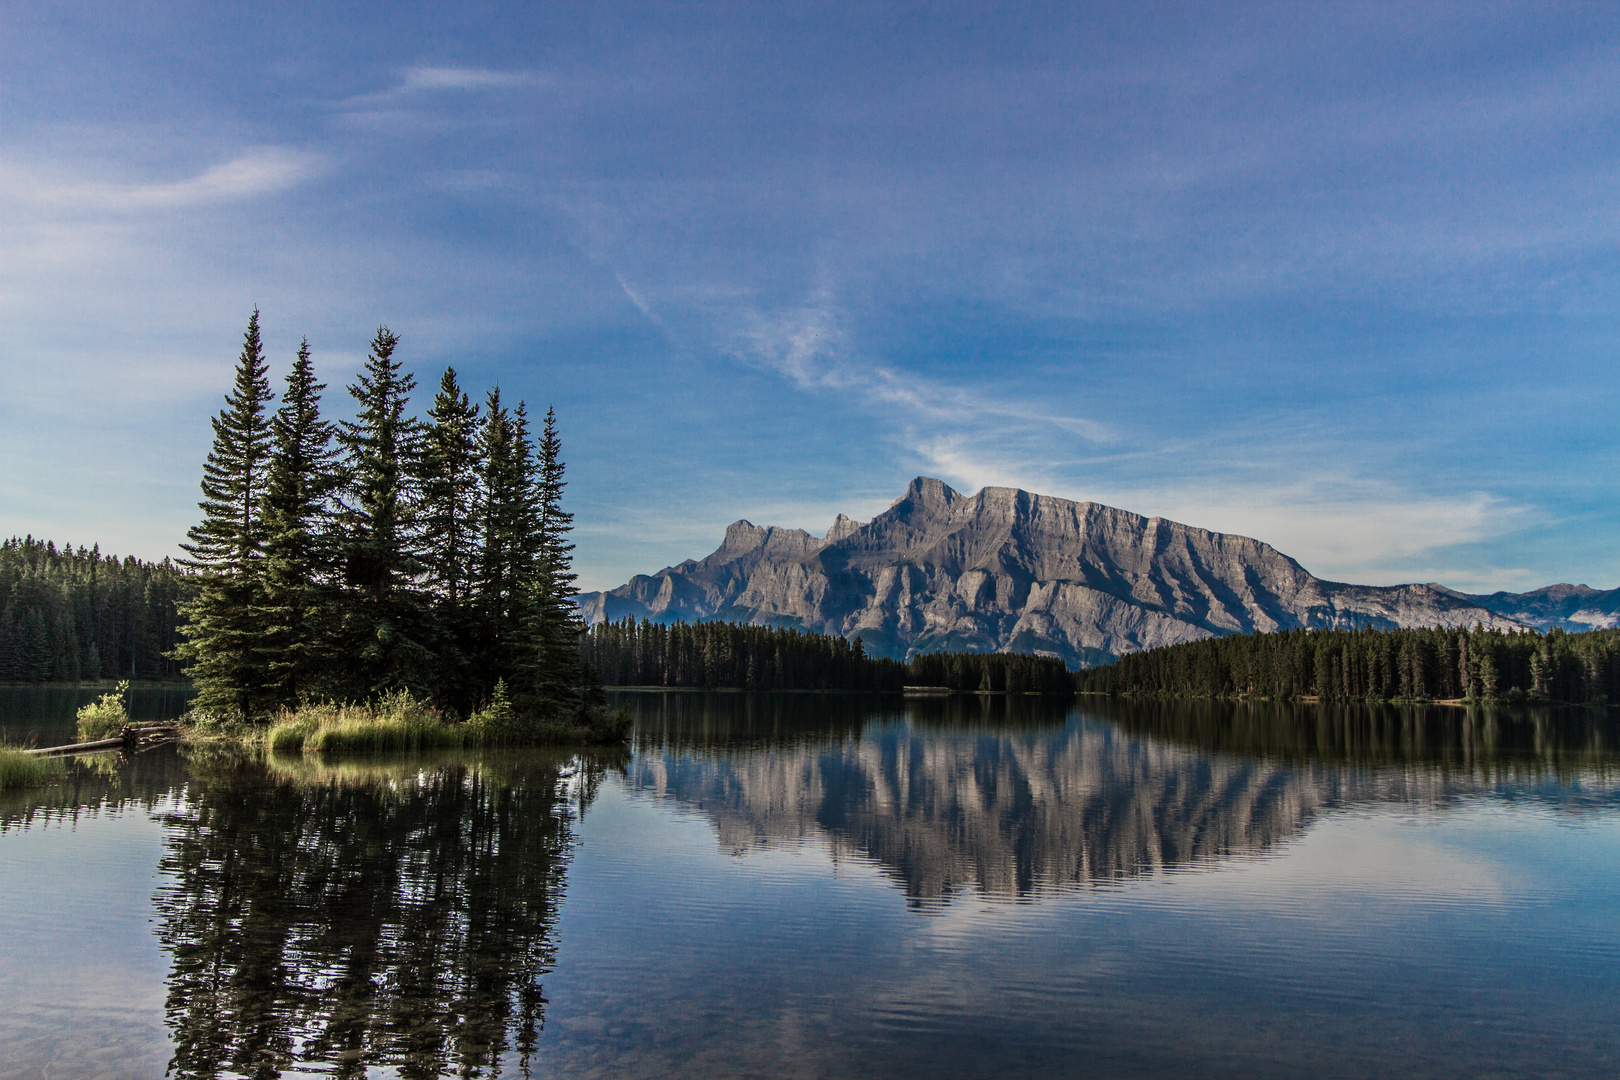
(381, 606)
(298, 544)
(510, 545)
(223, 622)
(557, 624)
(450, 492)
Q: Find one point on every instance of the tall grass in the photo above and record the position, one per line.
(399, 722)
(18, 769)
(394, 722)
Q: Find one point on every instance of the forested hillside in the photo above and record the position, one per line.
(69, 614)
(735, 655)
(1351, 665)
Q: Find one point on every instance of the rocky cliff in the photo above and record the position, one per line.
(1010, 570)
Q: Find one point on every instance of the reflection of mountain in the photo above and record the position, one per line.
(361, 919)
(1017, 805)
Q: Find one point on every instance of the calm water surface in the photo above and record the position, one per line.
(802, 886)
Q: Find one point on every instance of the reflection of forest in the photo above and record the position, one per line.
(1013, 796)
(347, 918)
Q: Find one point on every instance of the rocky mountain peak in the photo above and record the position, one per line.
(1006, 569)
(843, 525)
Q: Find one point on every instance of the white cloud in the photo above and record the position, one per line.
(1342, 528)
(807, 346)
(447, 78)
(417, 82)
(257, 171)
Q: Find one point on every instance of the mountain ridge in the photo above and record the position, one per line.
(1008, 569)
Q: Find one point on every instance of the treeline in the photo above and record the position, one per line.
(733, 655)
(70, 614)
(737, 656)
(1376, 665)
(1013, 673)
(353, 560)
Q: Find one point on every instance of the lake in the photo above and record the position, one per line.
(803, 885)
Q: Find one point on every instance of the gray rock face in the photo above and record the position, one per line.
(1573, 607)
(1009, 570)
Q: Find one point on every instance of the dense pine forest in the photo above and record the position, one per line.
(381, 555)
(737, 656)
(71, 614)
(1376, 665)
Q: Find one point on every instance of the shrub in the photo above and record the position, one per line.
(105, 717)
(498, 723)
(606, 725)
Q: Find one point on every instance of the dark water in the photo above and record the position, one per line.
(792, 885)
(44, 715)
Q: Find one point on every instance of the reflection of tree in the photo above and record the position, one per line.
(387, 917)
(1478, 744)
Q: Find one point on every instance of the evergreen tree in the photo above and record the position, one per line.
(381, 608)
(449, 485)
(557, 624)
(298, 556)
(224, 642)
(510, 546)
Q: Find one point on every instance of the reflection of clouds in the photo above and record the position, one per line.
(1365, 859)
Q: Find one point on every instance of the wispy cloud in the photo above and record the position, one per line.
(807, 346)
(419, 82)
(256, 172)
(1343, 527)
(449, 78)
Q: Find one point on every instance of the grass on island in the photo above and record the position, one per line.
(399, 722)
(18, 769)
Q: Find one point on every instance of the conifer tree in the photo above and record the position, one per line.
(449, 485)
(223, 640)
(381, 608)
(558, 627)
(298, 555)
(510, 547)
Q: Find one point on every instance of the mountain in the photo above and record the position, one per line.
(1009, 570)
(1573, 607)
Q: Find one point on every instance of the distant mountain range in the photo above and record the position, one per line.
(1009, 570)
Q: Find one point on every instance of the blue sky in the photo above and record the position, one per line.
(1341, 277)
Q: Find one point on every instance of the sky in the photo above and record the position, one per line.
(1342, 277)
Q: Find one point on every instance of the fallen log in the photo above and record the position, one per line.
(75, 748)
(130, 737)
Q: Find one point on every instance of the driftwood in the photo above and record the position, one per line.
(129, 737)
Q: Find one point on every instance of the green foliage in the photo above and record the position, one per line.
(69, 614)
(400, 721)
(297, 609)
(422, 557)
(557, 627)
(1376, 665)
(498, 723)
(450, 503)
(381, 608)
(224, 617)
(396, 721)
(607, 726)
(104, 717)
(18, 769)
